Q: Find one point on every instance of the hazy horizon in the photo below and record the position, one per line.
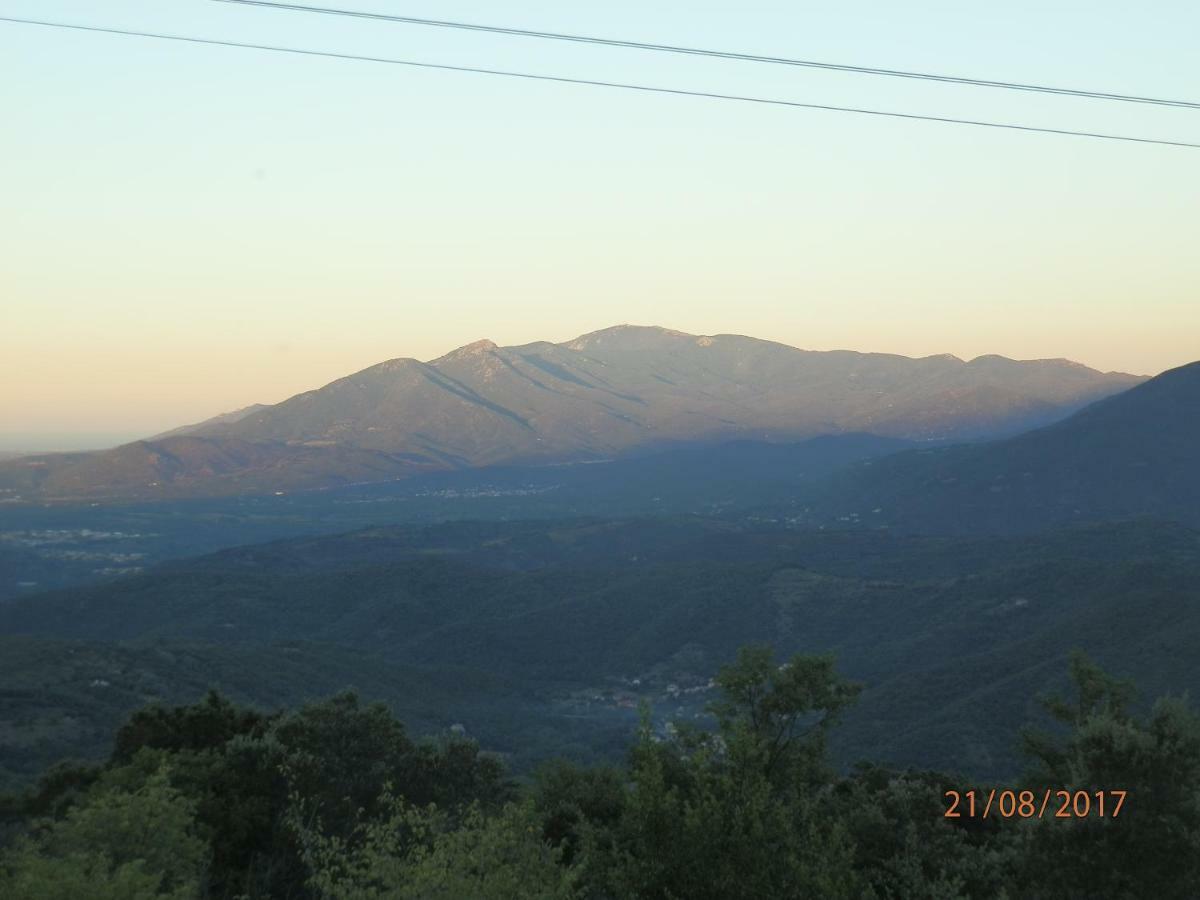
(713, 450)
(195, 229)
(68, 440)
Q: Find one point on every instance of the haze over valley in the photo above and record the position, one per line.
(554, 518)
(583, 451)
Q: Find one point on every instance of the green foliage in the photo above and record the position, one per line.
(424, 853)
(905, 847)
(239, 769)
(738, 814)
(572, 799)
(723, 833)
(123, 841)
(59, 788)
(33, 876)
(340, 755)
(335, 800)
(1152, 848)
(202, 726)
(782, 713)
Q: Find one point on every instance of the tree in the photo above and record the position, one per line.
(206, 725)
(422, 853)
(340, 755)
(119, 843)
(785, 711)
(905, 847)
(58, 789)
(572, 800)
(740, 814)
(1152, 849)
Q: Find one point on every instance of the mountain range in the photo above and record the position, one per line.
(622, 390)
(541, 629)
(1136, 454)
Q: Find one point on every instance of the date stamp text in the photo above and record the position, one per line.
(1011, 804)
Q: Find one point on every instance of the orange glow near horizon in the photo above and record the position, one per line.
(190, 230)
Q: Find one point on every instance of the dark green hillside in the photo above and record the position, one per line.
(62, 699)
(950, 636)
(1134, 454)
(51, 546)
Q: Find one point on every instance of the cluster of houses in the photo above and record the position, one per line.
(633, 692)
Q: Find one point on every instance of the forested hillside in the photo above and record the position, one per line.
(336, 800)
(540, 637)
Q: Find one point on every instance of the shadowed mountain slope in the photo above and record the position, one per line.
(1135, 454)
(612, 392)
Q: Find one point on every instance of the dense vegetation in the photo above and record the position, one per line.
(540, 637)
(533, 634)
(335, 800)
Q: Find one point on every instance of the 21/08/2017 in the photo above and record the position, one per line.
(1010, 804)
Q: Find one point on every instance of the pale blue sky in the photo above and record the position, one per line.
(191, 229)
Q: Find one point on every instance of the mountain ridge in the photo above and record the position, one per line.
(219, 419)
(1129, 455)
(618, 390)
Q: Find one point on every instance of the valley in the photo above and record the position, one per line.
(622, 451)
(538, 607)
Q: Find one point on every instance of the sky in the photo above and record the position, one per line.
(190, 229)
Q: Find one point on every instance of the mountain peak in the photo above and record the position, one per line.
(477, 348)
(624, 333)
(622, 389)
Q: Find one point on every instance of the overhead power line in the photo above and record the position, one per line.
(530, 76)
(717, 54)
